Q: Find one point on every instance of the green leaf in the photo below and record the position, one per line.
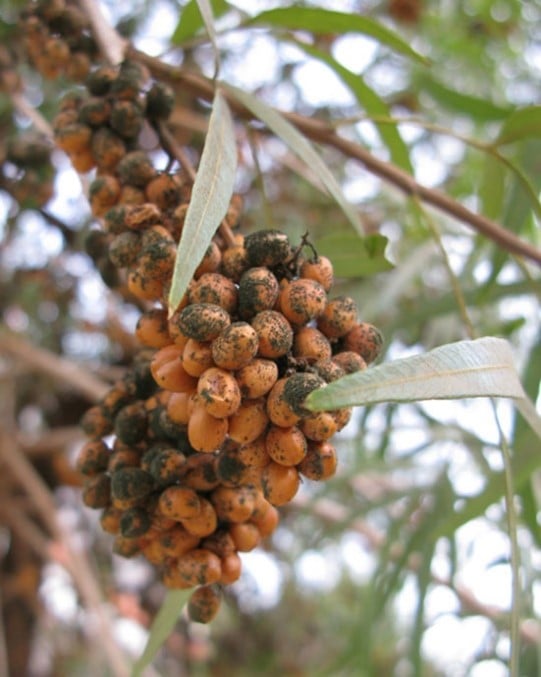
(191, 20)
(521, 124)
(162, 626)
(300, 145)
(317, 20)
(480, 368)
(458, 102)
(210, 199)
(492, 188)
(354, 256)
(370, 101)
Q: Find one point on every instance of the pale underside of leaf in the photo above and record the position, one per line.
(300, 145)
(162, 626)
(210, 199)
(480, 368)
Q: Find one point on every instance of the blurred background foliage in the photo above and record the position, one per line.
(400, 565)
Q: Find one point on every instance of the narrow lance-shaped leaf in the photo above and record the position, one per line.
(208, 19)
(369, 100)
(317, 20)
(210, 199)
(480, 368)
(162, 626)
(522, 123)
(300, 145)
(191, 21)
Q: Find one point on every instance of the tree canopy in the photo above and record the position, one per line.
(398, 138)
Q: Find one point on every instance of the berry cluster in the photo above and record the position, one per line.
(217, 437)
(192, 451)
(58, 40)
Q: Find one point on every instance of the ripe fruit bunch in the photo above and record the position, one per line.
(210, 432)
(57, 37)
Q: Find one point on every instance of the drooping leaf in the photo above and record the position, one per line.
(491, 189)
(354, 256)
(162, 626)
(521, 124)
(300, 145)
(318, 20)
(480, 368)
(211, 194)
(372, 103)
(458, 102)
(191, 19)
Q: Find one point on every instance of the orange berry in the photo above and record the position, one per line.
(166, 466)
(233, 504)
(342, 417)
(248, 422)
(97, 491)
(108, 149)
(164, 190)
(320, 461)
(234, 262)
(236, 345)
(302, 300)
(286, 446)
(280, 483)
(82, 161)
(338, 317)
(206, 433)
(219, 392)
(257, 377)
(179, 503)
(178, 408)
(365, 340)
(110, 520)
(176, 541)
(267, 248)
(152, 328)
(214, 288)
(231, 568)
(320, 270)
(254, 454)
(328, 370)
(349, 361)
(246, 536)
(199, 472)
(279, 411)
(311, 345)
(169, 373)
(197, 357)
(206, 521)
(266, 520)
(203, 321)
(258, 291)
(73, 138)
(143, 287)
(93, 458)
(210, 261)
(319, 427)
(204, 604)
(219, 542)
(274, 333)
(199, 567)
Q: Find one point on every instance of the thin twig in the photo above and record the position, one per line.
(111, 45)
(322, 132)
(49, 441)
(58, 368)
(22, 106)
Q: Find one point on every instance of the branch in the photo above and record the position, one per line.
(111, 45)
(74, 561)
(321, 132)
(58, 368)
